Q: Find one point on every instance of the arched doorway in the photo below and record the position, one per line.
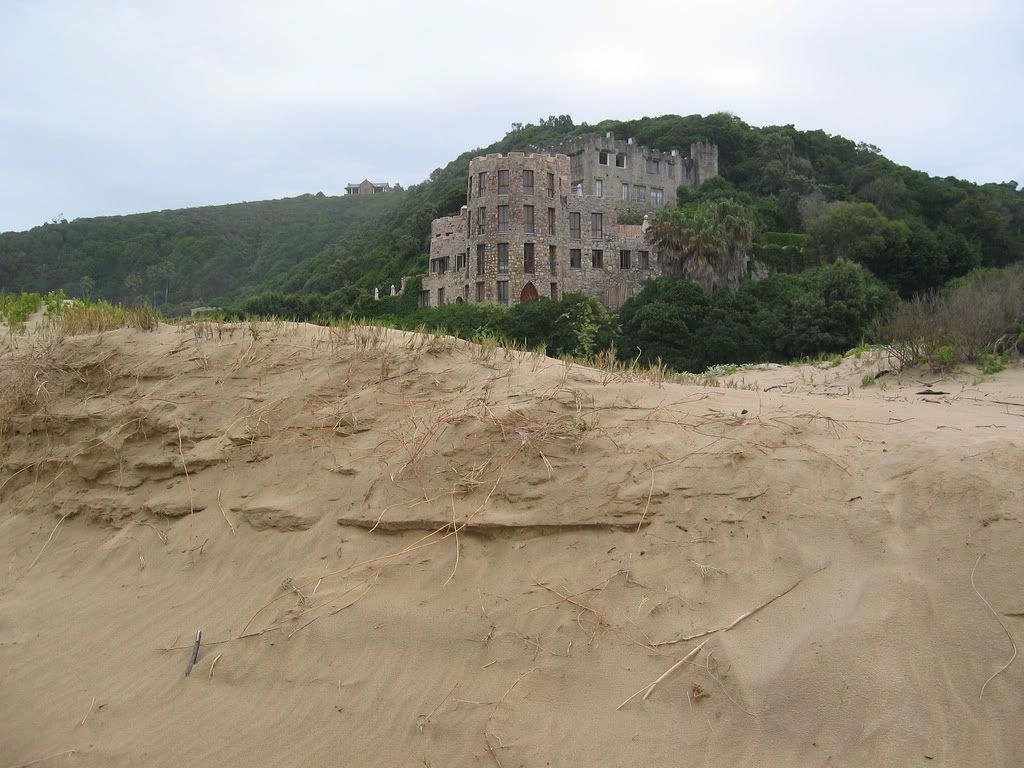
(529, 293)
(458, 300)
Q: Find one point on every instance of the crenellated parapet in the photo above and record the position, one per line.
(544, 224)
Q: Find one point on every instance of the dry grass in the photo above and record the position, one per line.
(96, 317)
(980, 313)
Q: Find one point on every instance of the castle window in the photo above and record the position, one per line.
(465, 293)
(657, 197)
(670, 170)
(599, 187)
(503, 182)
(602, 157)
(596, 226)
(551, 221)
(479, 292)
(577, 188)
(575, 258)
(527, 182)
(481, 182)
(554, 291)
(624, 259)
(639, 193)
(597, 258)
(551, 185)
(528, 260)
(574, 225)
(424, 299)
(469, 189)
(528, 222)
(645, 260)
(440, 296)
(652, 165)
(503, 258)
(625, 192)
(481, 254)
(552, 259)
(503, 291)
(620, 161)
(503, 218)
(481, 220)
(460, 261)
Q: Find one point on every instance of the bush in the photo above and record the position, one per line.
(780, 318)
(15, 309)
(977, 314)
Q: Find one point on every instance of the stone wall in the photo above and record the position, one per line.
(467, 252)
(609, 167)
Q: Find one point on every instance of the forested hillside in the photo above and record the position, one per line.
(816, 198)
(178, 259)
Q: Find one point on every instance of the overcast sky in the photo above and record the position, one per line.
(121, 107)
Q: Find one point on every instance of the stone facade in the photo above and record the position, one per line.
(530, 231)
(633, 175)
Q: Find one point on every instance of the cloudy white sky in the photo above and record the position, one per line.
(119, 107)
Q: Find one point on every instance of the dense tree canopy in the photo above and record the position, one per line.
(822, 310)
(913, 230)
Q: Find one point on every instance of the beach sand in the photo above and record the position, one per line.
(405, 550)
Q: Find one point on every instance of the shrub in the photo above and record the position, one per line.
(15, 309)
(783, 317)
(974, 315)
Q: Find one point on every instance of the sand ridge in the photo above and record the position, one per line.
(411, 550)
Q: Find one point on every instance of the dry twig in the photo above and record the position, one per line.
(1008, 637)
(93, 704)
(52, 533)
(648, 689)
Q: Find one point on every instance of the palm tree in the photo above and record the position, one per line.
(707, 244)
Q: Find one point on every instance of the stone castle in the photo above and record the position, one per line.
(545, 224)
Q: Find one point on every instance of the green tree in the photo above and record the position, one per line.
(133, 284)
(86, 284)
(708, 243)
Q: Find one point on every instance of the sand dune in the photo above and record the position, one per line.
(408, 550)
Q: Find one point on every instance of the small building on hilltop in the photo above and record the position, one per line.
(367, 187)
(545, 224)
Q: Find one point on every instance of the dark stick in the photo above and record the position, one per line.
(195, 653)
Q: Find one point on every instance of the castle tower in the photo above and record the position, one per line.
(704, 155)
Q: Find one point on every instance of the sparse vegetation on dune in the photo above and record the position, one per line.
(96, 316)
(16, 308)
(978, 318)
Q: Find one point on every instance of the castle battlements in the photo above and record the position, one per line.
(545, 223)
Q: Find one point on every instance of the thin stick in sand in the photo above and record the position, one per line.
(45, 759)
(89, 711)
(195, 653)
(649, 688)
(214, 662)
(647, 506)
(771, 600)
(439, 705)
(742, 616)
(224, 514)
(455, 528)
(52, 533)
(188, 482)
(487, 738)
(1008, 637)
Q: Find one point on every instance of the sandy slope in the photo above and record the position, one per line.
(597, 520)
